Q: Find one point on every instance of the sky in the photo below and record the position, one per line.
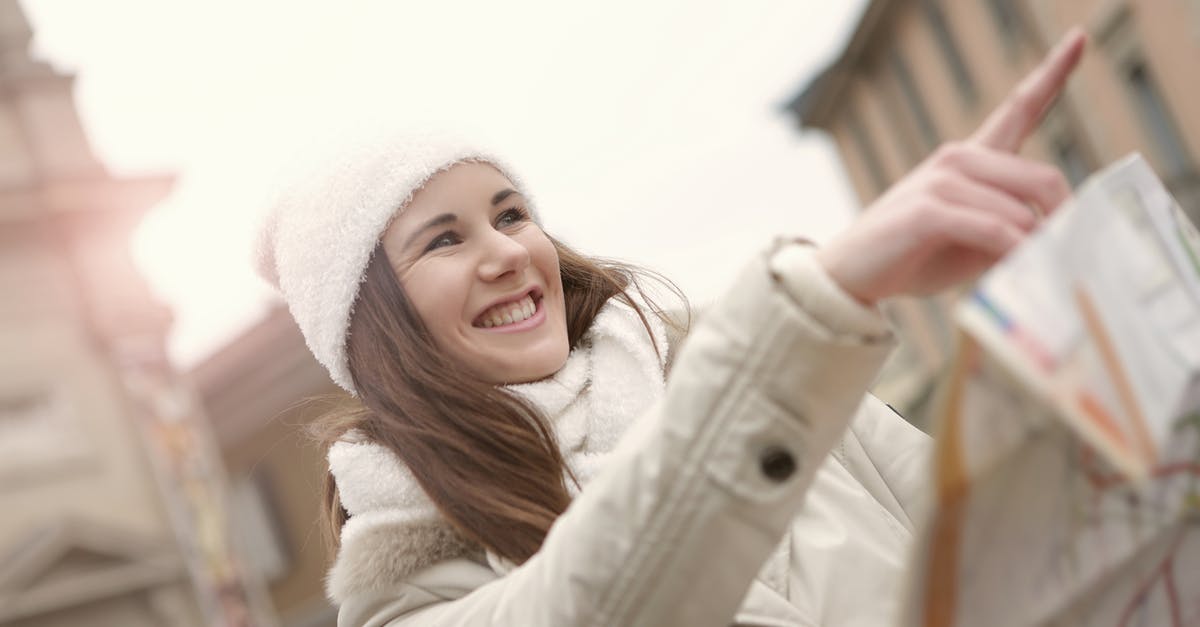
(651, 132)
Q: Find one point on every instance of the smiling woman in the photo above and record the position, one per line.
(463, 295)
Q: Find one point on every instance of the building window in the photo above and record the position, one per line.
(950, 51)
(1119, 39)
(1006, 15)
(912, 99)
(1156, 117)
(866, 150)
(1195, 4)
(1065, 146)
(902, 126)
(40, 434)
(1069, 157)
(939, 327)
(259, 531)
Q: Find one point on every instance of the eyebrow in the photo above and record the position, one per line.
(501, 195)
(445, 218)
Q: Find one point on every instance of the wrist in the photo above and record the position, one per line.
(831, 262)
(808, 282)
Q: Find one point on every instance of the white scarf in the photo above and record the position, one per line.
(607, 382)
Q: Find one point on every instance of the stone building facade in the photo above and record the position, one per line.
(110, 487)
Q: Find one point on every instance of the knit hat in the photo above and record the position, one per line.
(319, 232)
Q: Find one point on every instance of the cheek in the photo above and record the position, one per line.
(438, 298)
(545, 258)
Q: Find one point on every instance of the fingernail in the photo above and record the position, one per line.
(1075, 32)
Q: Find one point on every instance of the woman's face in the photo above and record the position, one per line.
(483, 277)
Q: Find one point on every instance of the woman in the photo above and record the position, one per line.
(479, 481)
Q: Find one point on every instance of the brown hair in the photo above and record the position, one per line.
(487, 459)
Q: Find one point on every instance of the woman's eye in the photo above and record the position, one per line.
(512, 216)
(445, 239)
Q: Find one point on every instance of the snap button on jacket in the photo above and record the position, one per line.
(778, 463)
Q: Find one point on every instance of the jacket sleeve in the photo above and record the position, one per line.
(675, 529)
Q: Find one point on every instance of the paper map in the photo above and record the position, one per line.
(1068, 454)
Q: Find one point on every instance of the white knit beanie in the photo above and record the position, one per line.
(318, 234)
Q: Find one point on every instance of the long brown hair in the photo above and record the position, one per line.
(486, 458)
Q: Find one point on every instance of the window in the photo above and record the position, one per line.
(866, 150)
(256, 523)
(902, 126)
(923, 327)
(1065, 146)
(1195, 4)
(939, 327)
(1118, 37)
(39, 432)
(1009, 24)
(1070, 158)
(916, 107)
(1156, 117)
(950, 51)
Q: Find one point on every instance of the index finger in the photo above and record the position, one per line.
(1009, 124)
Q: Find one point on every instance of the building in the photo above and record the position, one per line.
(259, 391)
(916, 73)
(110, 488)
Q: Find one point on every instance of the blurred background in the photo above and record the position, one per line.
(153, 465)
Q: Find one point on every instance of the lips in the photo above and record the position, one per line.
(509, 311)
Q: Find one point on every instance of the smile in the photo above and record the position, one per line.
(517, 315)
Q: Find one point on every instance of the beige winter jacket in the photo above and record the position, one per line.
(744, 499)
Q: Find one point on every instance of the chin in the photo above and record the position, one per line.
(532, 368)
(530, 374)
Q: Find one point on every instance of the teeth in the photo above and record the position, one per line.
(508, 313)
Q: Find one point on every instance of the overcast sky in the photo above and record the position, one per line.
(647, 131)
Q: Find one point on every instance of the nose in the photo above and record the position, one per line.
(502, 256)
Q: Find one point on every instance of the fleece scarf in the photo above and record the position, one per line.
(611, 378)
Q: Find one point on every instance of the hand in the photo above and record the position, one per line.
(965, 206)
